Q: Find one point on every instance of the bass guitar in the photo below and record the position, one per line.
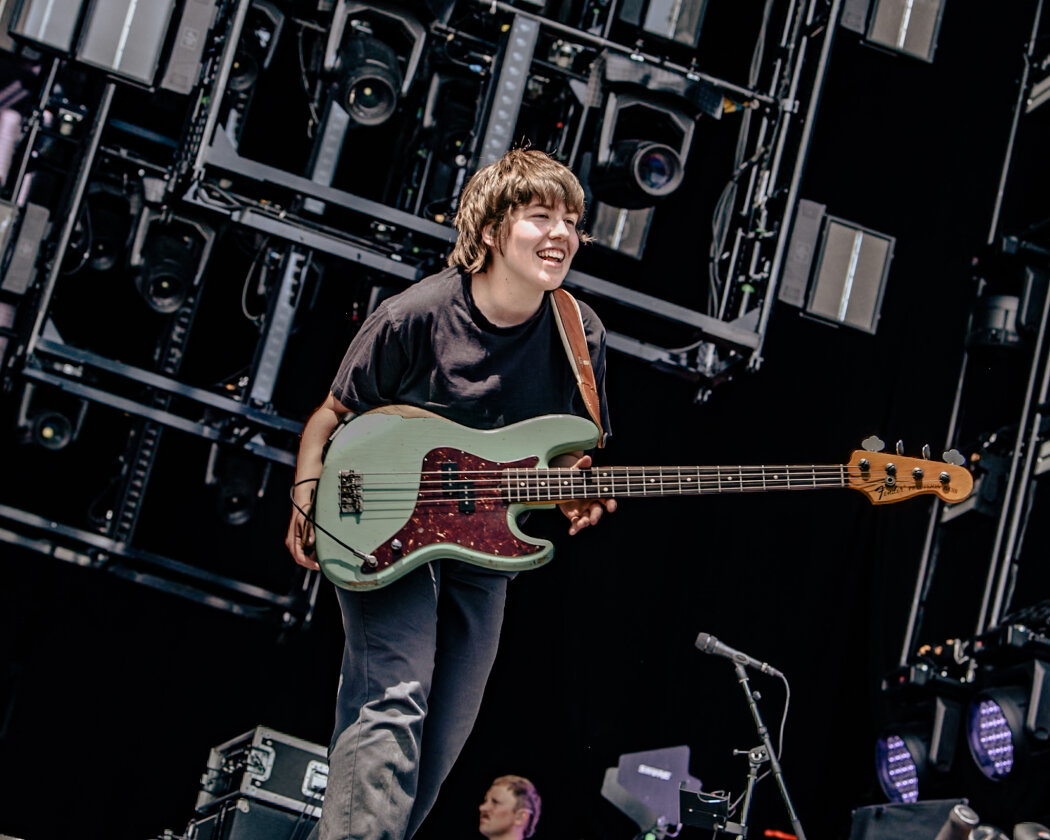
(401, 487)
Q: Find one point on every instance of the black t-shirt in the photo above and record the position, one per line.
(431, 347)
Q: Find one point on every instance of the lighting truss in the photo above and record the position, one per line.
(210, 182)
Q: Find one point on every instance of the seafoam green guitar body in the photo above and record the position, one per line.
(406, 490)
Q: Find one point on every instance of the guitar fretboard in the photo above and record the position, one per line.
(554, 484)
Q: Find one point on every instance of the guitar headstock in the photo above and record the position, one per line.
(886, 478)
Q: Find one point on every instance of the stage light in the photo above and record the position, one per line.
(653, 169)
(49, 418)
(1008, 718)
(675, 20)
(169, 266)
(898, 757)
(371, 81)
(994, 725)
(126, 37)
(364, 54)
(641, 152)
(48, 23)
(238, 482)
(915, 753)
(906, 26)
(52, 430)
(835, 268)
(168, 258)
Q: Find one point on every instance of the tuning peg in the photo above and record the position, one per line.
(953, 456)
(900, 447)
(926, 452)
(873, 444)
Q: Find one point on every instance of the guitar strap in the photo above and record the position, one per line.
(574, 337)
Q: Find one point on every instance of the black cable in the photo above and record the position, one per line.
(308, 516)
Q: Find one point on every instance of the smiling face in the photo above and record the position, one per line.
(536, 248)
(499, 814)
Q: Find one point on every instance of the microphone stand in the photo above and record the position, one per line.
(774, 763)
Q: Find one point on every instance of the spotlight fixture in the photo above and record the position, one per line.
(238, 482)
(364, 53)
(641, 152)
(915, 753)
(1008, 718)
(168, 256)
(1007, 726)
(371, 81)
(898, 757)
(169, 263)
(50, 419)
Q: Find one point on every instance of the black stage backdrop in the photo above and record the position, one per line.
(119, 691)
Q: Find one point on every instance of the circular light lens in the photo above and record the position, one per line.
(897, 769)
(370, 100)
(52, 430)
(657, 169)
(990, 737)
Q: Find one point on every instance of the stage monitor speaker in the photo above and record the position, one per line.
(126, 37)
(906, 26)
(49, 23)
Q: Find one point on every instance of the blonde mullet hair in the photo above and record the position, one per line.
(494, 191)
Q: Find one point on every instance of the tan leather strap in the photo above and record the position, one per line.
(574, 337)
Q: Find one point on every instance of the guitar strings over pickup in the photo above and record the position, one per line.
(349, 491)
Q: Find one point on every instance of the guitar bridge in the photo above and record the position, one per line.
(349, 491)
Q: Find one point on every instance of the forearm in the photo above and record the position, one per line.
(311, 446)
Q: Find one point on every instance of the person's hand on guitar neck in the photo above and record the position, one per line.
(581, 512)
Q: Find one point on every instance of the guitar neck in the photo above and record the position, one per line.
(555, 484)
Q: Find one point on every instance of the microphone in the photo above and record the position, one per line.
(706, 643)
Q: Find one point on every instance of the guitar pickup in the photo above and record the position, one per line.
(457, 488)
(349, 491)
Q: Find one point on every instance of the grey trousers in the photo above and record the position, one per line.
(418, 654)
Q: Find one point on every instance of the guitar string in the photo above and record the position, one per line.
(501, 496)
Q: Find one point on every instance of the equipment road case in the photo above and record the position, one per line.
(266, 765)
(242, 819)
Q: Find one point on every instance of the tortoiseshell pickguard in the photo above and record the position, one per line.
(441, 520)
